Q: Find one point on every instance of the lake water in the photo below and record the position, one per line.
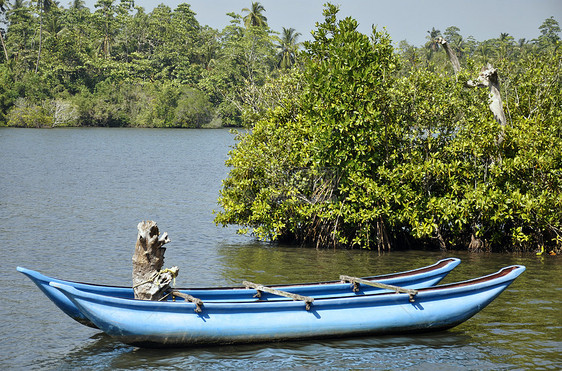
(71, 200)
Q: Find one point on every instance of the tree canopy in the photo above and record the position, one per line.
(376, 149)
(121, 66)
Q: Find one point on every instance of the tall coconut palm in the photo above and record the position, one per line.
(54, 27)
(432, 44)
(288, 47)
(77, 5)
(106, 11)
(255, 17)
(44, 6)
(432, 38)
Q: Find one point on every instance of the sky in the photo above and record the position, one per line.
(403, 19)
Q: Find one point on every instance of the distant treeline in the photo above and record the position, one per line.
(121, 66)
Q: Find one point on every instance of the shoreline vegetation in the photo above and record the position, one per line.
(370, 148)
(352, 141)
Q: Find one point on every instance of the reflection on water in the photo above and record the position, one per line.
(273, 264)
(71, 200)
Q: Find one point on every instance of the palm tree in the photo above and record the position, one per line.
(484, 48)
(288, 47)
(255, 18)
(77, 5)
(432, 44)
(458, 46)
(77, 11)
(504, 46)
(54, 27)
(432, 37)
(106, 10)
(44, 6)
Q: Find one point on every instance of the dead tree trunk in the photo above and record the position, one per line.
(451, 54)
(4, 46)
(489, 78)
(150, 282)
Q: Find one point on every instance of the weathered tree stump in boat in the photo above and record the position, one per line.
(150, 282)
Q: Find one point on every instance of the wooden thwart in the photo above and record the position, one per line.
(198, 302)
(356, 281)
(259, 288)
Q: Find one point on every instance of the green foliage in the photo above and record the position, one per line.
(243, 64)
(346, 101)
(143, 105)
(7, 95)
(261, 191)
(255, 18)
(25, 114)
(468, 50)
(287, 47)
(365, 154)
(92, 58)
(193, 109)
(306, 183)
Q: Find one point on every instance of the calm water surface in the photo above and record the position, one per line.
(71, 200)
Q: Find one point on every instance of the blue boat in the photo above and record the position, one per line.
(157, 324)
(417, 278)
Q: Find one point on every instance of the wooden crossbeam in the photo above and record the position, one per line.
(198, 302)
(261, 288)
(356, 281)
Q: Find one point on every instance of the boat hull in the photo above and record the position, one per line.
(147, 323)
(417, 278)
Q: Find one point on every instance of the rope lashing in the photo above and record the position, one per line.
(173, 271)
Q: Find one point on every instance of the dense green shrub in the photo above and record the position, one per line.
(25, 114)
(371, 156)
(193, 109)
